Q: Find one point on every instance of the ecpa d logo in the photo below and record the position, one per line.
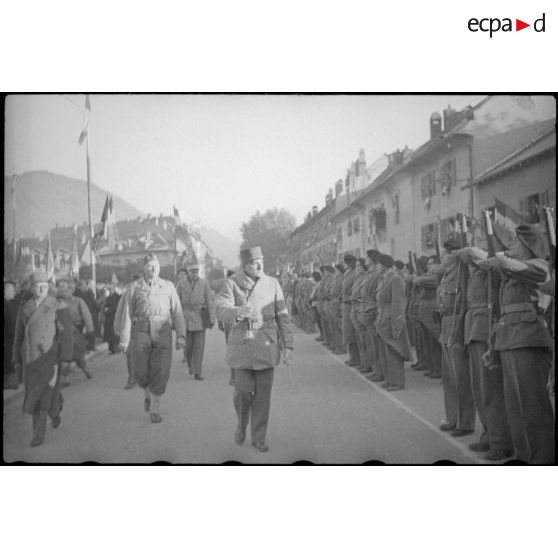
(492, 25)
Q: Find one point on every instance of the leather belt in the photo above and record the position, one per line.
(152, 319)
(479, 305)
(451, 311)
(519, 307)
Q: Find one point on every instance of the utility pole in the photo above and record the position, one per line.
(91, 234)
(14, 214)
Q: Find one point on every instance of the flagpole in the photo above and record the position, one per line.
(91, 254)
(14, 213)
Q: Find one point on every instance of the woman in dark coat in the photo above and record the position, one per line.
(109, 310)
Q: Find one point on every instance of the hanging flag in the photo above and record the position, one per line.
(114, 279)
(104, 219)
(175, 213)
(49, 260)
(85, 125)
(74, 259)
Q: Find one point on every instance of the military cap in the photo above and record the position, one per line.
(386, 260)
(192, 266)
(150, 258)
(340, 267)
(182, 269)
(329, 268)
(38, 276)
(373, 254)
(349, 258)
(65, 279)
(249, 254)
(532, 238)
(399, 264)
(452, 244)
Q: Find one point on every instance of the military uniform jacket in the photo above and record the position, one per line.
(428, 302)
(43, 338)
(390, 323)
(270, 324)
(451, 301)
(335, 295)
(347, 285)
(196, 298)
(79, 311)
(152, 305)
(370, 288)
(520, 323)
(357, 293)
(476, 319)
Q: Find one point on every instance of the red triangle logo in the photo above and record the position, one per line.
(519, 25)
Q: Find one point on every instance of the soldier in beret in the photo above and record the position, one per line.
(349, 333)
(43, 349)
(335, 312)
(525, 345)
(153, 311)
(253, 304)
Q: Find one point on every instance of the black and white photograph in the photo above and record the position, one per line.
(332, 279)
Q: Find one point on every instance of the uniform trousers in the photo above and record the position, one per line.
(326, 325)
(151, 355)
(318, 320)
(336, 331)
(252, 399)
(365, 321)
(456, 381)
(528, 405)
(194, 349)
(392, 365)
(360, 333)
(420, 342)
(488, 393)
(432, 352)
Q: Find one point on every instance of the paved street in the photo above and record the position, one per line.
(322, 411)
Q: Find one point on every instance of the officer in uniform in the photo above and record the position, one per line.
(525, 346)
(349, 333)
(199, 314)
(456, 376)
(154, 310)
(81, 319)
(253, 304)
(357, 307)
(324, 305)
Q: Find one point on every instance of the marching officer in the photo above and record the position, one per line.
(153, 311)
(253, 304)
(525, 346)
(199, 314)
(42, 350)
(81, 319)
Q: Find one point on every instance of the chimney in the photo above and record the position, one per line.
(338, 188)
(329, 197)
(435, 125)
(314, 210)
(451, 118)
(361, 163)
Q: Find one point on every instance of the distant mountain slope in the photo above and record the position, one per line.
(222, 246)
(45, 199)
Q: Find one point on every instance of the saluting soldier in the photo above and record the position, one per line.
(525, 346)
(456, 376)
(154, 310)
(427, 315)
(369, 313)
(356, 309)
(253, 304)
(335, 310)
(82, 322)
(395, 347)
(199, 314)
(42, 351)
(487, 384)
(349, 333)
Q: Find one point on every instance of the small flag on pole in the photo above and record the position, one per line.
(114, 279)
(49, 260)
(85, 124)
(104, 218)
(74, 260)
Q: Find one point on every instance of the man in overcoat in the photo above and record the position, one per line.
(260, 335)
(42, 349)
(525, 346)
(153, 311)
(198, 306)
(395, 347)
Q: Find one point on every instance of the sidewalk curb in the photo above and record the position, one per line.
(11, 395)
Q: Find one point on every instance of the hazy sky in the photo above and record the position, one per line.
(218, 158)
